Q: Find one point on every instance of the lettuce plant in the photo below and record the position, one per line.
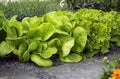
(39, 38)
(97, 25)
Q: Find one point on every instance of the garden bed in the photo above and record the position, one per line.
(56, 41)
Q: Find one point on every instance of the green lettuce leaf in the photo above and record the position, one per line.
(21, 50)
(35, 21)
(67, 46)
(43, 32)
(25, 25)
(46, 30)
(32, 46)
(53, 19)
(71, 58)
(13, 28)
(48, 52)
(54, 42)
(25, 56)
(15, 41)
(41, 61)
(5, 49)
(80, 36)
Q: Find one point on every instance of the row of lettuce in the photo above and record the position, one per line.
(71, 36)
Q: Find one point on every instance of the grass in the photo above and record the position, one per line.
(29, 8)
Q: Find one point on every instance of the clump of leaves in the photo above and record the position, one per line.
(115, 32)
(39, 38)
(98, 26)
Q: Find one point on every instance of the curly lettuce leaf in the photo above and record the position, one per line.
(98, 27)
(115, 32)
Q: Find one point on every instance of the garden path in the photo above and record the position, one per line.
(87, 69)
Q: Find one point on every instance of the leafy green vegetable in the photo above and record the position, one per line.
(80, 36)
(46, 30)
(25, 24)
(67, 46)
(98, 27)
(25, 57)
(54, 42)
(32, 46)
(35, 21)
(13, 27)
(22, 48)
(115, 32)
(5, 49)
(43, 37)
(48, 52)
(67, 42)
(72, 36)
(41, 61)
(71, 58)
(53, 19)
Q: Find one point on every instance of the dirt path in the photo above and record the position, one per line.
(87, 69)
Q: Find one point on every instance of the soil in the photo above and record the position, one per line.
(11, 68)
